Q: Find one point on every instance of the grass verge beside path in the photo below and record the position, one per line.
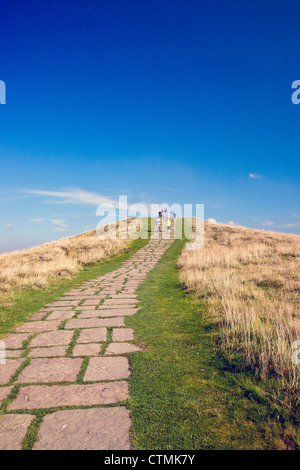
(182, 396)
(19, 306)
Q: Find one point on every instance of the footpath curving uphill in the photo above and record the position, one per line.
(70, 362)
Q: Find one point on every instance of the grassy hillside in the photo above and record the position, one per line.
(249, 281)
(38, 266)
(31, 278)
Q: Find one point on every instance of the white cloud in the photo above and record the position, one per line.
(212, 221)
(73, 196)
(59, 222)
(254, 175)
(38, 219)
(8, 225)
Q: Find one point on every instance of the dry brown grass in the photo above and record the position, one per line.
(251, 281)
(37, 267)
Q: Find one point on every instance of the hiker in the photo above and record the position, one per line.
(168, 224)
(157, 220)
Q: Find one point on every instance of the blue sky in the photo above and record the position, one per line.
(166, 101)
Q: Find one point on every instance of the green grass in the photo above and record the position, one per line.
(25, 303)
(182, 394)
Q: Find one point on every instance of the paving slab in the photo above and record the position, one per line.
(90, 349)
(121, 348)
(54, 351)
(116, 312)
(123, 334)
(11, 353)
(89, 314)
(13, 429)
(92, 301)
(52, 338)
(107, 368)
(94, 322)
(91, 429)
(61, 315)
(92, 335)
(51, 396)
(63, 303)
(8, 369)
(37, 326)
(61, 369)
(16, 340)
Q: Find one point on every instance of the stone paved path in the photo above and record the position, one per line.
(73, 353)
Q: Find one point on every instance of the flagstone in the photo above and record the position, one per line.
(90, 429)
(92, 335)
(52, 338)
(108, 313)
(53, 351)
(63, 303)
(90, 349)
(92, 301)
(89, 314)
(121, 348)
(13, 429)
(123, 334)
(61, 315)
(39, 326)
(50, 396)
(61, 369)
(107, 368)
(8, 369)
(14, 353)
(15, 341)
(94, 322)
